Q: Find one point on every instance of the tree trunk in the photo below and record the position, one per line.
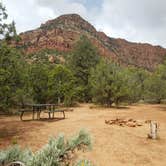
(59, 100)
(159, 101)
(153, 130)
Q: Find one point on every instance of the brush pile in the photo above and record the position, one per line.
(124, 122)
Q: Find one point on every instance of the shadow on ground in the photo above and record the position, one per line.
(44, 120)
(161, 107)
(10, 129)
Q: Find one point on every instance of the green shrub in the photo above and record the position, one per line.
(61, 85)
(109, 83)
(55, 153)
(15, 153)
(84, 163)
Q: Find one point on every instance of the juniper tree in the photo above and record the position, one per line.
(61, 85)
(109, 83)
(85, 56)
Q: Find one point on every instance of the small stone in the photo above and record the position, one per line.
(121, 124)
(139, 124)
(147, 121)
(130, 120)
(107, 121)
(131, 124)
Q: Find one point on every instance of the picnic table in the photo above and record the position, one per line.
(38, 108)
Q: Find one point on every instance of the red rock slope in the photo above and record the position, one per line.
(62, 32)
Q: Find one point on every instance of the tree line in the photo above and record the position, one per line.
(84, 77)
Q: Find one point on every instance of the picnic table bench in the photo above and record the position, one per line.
(38, 108)
(53, 111)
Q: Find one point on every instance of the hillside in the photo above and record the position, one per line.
(61, 34)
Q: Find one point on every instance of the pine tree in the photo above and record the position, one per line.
(85, 56)
(7, 31)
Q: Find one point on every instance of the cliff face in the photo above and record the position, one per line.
(62, 33)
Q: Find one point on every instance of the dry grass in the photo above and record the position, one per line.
(112, 144)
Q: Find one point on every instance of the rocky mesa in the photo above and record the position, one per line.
(63, 32)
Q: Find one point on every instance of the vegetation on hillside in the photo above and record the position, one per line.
(84, 76)
(84, 57)
(109, 83)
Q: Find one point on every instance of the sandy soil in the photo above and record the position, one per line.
(112, 145)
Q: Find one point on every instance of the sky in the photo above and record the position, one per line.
(134, 20)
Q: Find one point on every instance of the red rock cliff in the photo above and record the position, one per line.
(62, 32)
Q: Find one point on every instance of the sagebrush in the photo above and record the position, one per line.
(57, 152)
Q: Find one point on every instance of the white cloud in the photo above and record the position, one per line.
(141, 21)
(64, 6)
(27, 14)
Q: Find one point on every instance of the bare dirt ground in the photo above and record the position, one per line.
(112, 144)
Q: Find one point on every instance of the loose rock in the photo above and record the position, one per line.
(124, 122)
